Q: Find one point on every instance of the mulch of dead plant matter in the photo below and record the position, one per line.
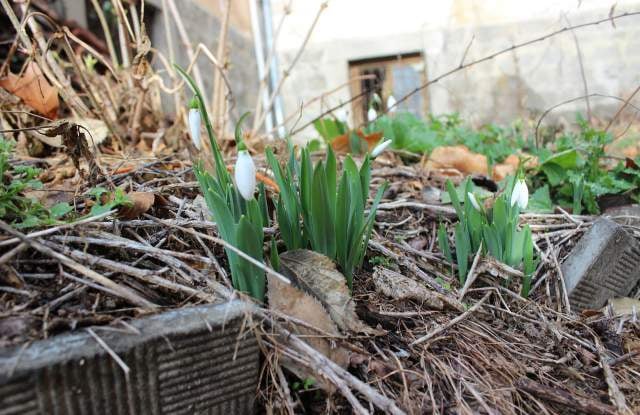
(490, 351)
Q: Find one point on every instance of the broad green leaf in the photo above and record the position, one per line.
(329, 128)
(540, 201)
(568, 159)
(59, 210)
(249, 241)
(555, 173)
(35, 184)
(319, 219)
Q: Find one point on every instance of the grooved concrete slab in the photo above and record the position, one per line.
(604, 264)
(625, 215)
(190, 361)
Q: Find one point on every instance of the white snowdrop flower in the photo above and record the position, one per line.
(194, 127)
(391, 104)
(520, 194)
(474, 201)
(382, 145)
(245, 175)
(372, 114)
(342, 115)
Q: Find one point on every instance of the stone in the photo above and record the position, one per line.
(604, 264)
(191, 360)
(625, 215)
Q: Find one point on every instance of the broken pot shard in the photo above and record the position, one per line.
(604, 264)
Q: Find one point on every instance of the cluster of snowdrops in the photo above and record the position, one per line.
(324, 211)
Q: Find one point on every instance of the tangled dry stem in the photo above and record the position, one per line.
(504, 354)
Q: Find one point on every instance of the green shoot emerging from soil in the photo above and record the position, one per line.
(332, 207)
(240, 221)
(490, 231)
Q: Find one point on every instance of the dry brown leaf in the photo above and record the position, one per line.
(34, 89)
(458, 157)
(397, 286)
(142, 202)
(510, 165)
(289, 300)
(380, 368)
(341, 143)
(317, 275)
(500, 171)
(9, 276)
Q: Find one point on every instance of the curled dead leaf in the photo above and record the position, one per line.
(510, 165)
(34, 89)
(397, 286)
(289, 300)
(457, 157)
(341, 143)
(141, 203)
(317, 275)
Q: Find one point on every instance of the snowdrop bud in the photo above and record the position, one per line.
(194, 126)
(520, 194)
(474, 201)
(372, 114)
(382, 145)
(391, 104)
(342, 115)
(245, 175)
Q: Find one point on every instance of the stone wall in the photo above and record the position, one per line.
(203, 27)
(522, 83)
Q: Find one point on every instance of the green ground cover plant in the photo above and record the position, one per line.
(573, 171)
(17, 209)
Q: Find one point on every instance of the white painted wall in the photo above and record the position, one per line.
(522, 83)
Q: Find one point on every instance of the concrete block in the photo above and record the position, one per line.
(189, 361)
(625, 215)
(604, 264)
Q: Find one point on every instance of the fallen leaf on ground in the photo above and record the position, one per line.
(341, 143)
(457, 157)
(289, 300)
(397, 286)
(124, 169)
(510, 165)
(317, 275)
(418, 243)
(34, 89)
(141, 203)
(9, 276)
